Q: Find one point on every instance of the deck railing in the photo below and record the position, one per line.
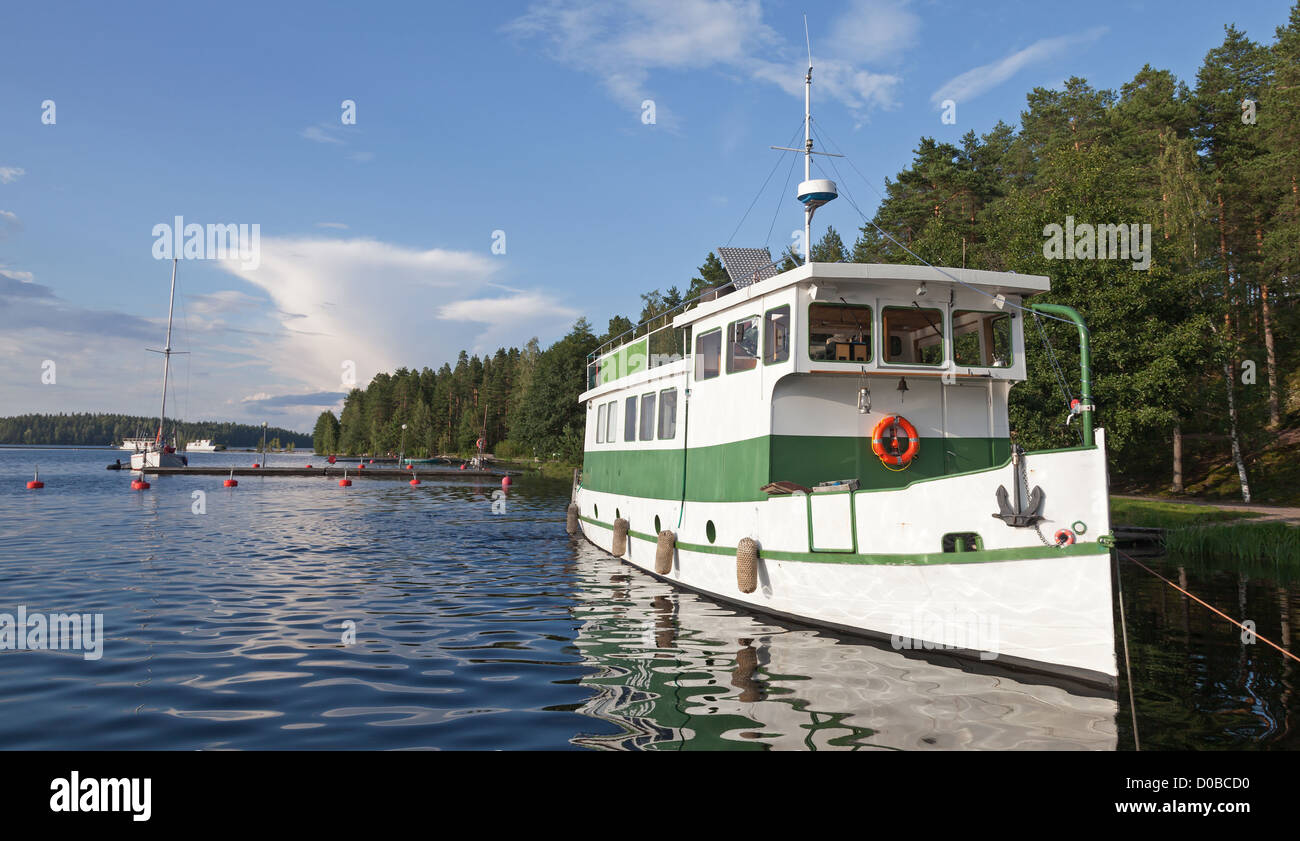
(650, 344)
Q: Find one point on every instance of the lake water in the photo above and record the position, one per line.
(230, 625)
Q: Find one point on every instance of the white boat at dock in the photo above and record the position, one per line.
(831, 444)
(157, 452)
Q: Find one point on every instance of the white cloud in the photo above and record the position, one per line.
(382, 306)
(625, 41)
(14, 274)
(966, 86)
(9, 174)
(323, 134)
(9, 221)
(224, 301)
(875, 30)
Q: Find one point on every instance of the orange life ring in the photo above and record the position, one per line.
(480, 443)
(1064, 537)
(878, 441)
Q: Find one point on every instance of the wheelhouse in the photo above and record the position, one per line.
(785, 379)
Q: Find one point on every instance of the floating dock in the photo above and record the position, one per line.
(332, 471)
(1139, 538)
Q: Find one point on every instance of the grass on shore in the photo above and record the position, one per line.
(1213, 536)
(1170, 515)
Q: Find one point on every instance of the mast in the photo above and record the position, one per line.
(807, 146)
(813, 192)
(167, 357)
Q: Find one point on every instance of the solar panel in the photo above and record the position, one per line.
(747, 265)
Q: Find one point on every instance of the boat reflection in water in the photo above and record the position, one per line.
(679, 671)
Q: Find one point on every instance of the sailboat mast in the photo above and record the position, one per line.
(167, 357)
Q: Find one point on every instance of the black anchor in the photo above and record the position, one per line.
(1018, 516)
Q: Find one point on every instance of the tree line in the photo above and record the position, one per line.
(104, 429)
(1191, 351)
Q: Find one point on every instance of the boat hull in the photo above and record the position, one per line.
(1014, 602)
(156, 458)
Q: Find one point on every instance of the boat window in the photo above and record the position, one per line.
(776, 335)
(708, 355)
(610, 427)
(915, 335)
(981, 339)
(839, 332)
(629, 419)
(600, 423)
(742, 345)
(648, 417)
(668, 413)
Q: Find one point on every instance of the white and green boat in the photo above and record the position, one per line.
(831, 444)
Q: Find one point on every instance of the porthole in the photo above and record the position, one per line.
(710, 531)
(658, 528)
(595, 511)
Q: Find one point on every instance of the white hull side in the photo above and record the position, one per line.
(155, 458)
(1028, 604)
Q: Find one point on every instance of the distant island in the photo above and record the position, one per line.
(104, 429)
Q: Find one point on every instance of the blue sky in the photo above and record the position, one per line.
(524, 118)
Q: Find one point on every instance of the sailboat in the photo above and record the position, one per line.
(831, 444)
(158, 453)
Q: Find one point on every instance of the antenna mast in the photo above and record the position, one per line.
(813, 193)
(807, 144)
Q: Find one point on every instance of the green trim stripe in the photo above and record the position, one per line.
(735, 471)
(1020, 553)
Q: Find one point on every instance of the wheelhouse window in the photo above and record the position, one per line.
(668, 413)
(981, 339)
(913, 335)
(610, 427)
(629, 419)
(839, 332)
(648, 417)
(742, 345)
(708, 356)
(776, 335)
(600, 423)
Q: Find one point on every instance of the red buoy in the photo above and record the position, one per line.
(330, 459)
(255, 464)
(345, 483)
(361, 466)
(35, 482)
(505, 483)
(309, 467)
(372, 461)
(415, 482)
(409, 466)
(139, 485)
(230, 483)
(462, 467)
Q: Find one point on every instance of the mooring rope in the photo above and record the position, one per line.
(1209, 606)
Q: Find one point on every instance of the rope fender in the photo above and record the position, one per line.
(664, 552)
(747, 565)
